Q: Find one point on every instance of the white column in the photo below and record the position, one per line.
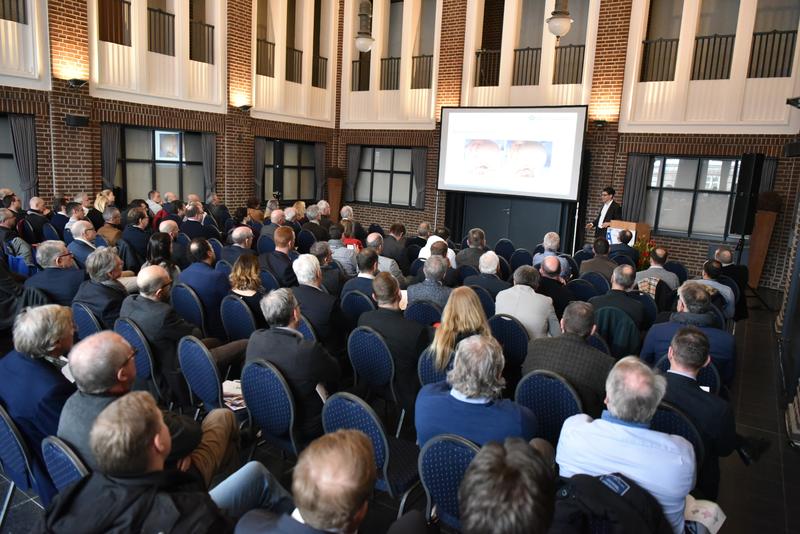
(411, 27)
(740, 60)
(278, 14)
(683, 65)
(182, 48)
(511, 20)
(472, 36)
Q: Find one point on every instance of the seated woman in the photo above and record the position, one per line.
(246, 284)
(254, 211)
(348, 236)
(300, 208)
(462, 317)
(159, 252)
(103, 293)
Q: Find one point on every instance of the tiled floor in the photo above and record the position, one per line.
(761, 498)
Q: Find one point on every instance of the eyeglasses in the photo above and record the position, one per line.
(70, 254)
(132, 356)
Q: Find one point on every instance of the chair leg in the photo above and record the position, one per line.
(400, 423)
(7, 502)
(404, 499)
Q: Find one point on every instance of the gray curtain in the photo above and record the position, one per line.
(768, 174)
(634, 194)
(209, 144)
(319, 168)
(258, 166)
(109, 152)
(353, 160)
(419, 162)
(23, 138)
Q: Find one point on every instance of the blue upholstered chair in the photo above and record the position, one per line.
(200, 371)
(416, 265)
(16, 461)
(216, 246)
(597, 341)
(224, 267)
(426, 367)
(581, 256)
(265, 244)
(145, 370)
(677, 269)
(188, 305)
(504, 248)
(100, 241)
(85, 320)
(304, 241)
(268, 280)
(271, 405)
(50, 233)
(63, 465)
(487, 302)
(306, 329)
(649, 305)
(551, 398)
(464, 271)
(237, 318)
(424, 312)
(514, 339)
(519, 258)
(582, 289)
(184, 240)
(671, 420)
(598, 281)
(354, 303)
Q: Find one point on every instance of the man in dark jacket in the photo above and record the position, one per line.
(333, 277)
(317, 306)
(137, 233)
(193, 225)
(242, 237)
(209, 284)
(624, 247)
(394, 246)
(314, 225)
(488, 279)
(552, 285)
(617, 297)
(279, 261)
(59, 279)
(131, 492)
(739, 274)
(103, 293)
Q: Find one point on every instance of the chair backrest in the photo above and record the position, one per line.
(582, 255)
(426, 367)
(442, 464)
(519, 258)
(14, 455)
(85, 320)
(465, 242)
(504, 248)
(200, 371)
(416, 265)
(649, 305)
(598, 281)
(731, 283)
(216, 246)
(183, 239)
(505, 269)
(512, 336)
(370, 357)
(49, 232)
(27, 232)
(619, 331)
(573, 265)
(424, 312)
(719, 316)
(304, 241)
(224, 267)
(268, 280)
(464, 271)
(265, 244)
(597, 341)
(622, 259)
(354, 303)
(68, 236)
(375, 227)
(582, 289)
(708, 376)
(678, 269)
(100, 241)
(412, 252)
(237, 318)
(538, 249)
(671, 420)
(188, 305)
(551, 398)
(63, 465)
(145, 370)
(487, 302)
(270, 403)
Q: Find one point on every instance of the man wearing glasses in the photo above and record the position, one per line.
(611, 210)
(59, 279)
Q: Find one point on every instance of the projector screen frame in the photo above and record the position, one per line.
(579, 154)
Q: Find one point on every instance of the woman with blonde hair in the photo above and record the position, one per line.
(104, 199)
(463, 317)
(300, 207)
(246, 284)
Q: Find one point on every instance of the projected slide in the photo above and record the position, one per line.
(533, 152)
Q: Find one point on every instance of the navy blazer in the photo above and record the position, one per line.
(322, 311)
(137, 239)
(231, 253)
(60, 285)
(280, 265)
(211, 286)
(627, 250)
(616, 298)
(80, 252)
(359, 283)
(37, 222)
(489, 282)
(59, 221)
(103, 299)
(194, 229)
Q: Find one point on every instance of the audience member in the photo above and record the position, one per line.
(179, 253)
(431, 289)
(423, 233)
(104, 199)
(300, 208)
(523, 303)
(470, 403)
(82, 244)
(324, 215)
(245, 279)
(137, 232)
(552, 285)
(110, 230)
(463, 317)
(169, 198)
(318, 307)
(450, 278)
(346, 256)
(623, 247)
(569, 355)
(712, 269)
(218, 211)
(617, 297)
(476, 241)
(333, 277)
(359, 233)
(367, 261)
(306, 365)
(154, 202)
(551, 243)
(738, 273)
(242, 238)
(276, 220)
(37, 218)
(385, 264)
(103, 293)
(279, 261)
(75, 213)
(60, 216)
(177, 213)
(58, 279)
(159, 252)
(622, 442)
(313, 225)
(193, 225)
(9, 236)
(394, 246)
(209, 284)
(290, 214)
(600, 263)
(489, 267)
(425, 251)
(349, 238)
(254, 211)
(13, 203)
(658, 258)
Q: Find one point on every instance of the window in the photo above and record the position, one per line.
(13, 10)
(289, 170)
(691, 196)
(9, 174)
(164, 160)
(115, 21)
(385, 177)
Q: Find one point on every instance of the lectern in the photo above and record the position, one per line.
(640, 230)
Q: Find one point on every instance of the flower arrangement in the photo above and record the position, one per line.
(645, 248)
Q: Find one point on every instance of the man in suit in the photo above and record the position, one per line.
(345, 255)
(110, 230)
(290, 216)
(431, 289)
(209, 284)
(739, 274)
(193, 225)
(279, 261)
(658, 258)
(489, 267)
(37, 217)
(103, 293)
(33, 390)
(617, 297)
(712, 416)
(276, 220)
(600, 263)
(314, 224)
(394, 246)
(552, 285)
(154, 202)
(9, 236)
(423, 233)
(242, 237)
(333, 279)
(75, 213)
(60, 215)
(218, 210)
(317, 306)
(177, 213)
(385, 264)
(306, 365)
(367, 261)
(359, 233)
(82, 245)
(324, 214)
(405, 338)
(624, 247)
(522, 302)
(476, 242)
(59, 278)
(179, 253)
(569, 355)
(137, 233)
(450, 278)
(610, 210)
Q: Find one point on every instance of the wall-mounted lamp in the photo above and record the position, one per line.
(76, 83)
(76, 121)
(364, 40)
(560, 22)
(245, 108)
(794, 102)
(600, 123)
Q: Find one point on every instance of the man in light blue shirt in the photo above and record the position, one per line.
(622, 442)
(712, 269)
(551, 243)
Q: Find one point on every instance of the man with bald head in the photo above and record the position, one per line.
(179, 253)
(552, 285)
(104, 368)
(82, 245)
(658, 258)
(242, 237)
(276, 219)
(37, 217)
(739, 274)
(423, 233)
(385, 264)
(617, 297)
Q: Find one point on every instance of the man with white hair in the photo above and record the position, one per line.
(84, 200)
(324, 214)
(277, 218)
(551, 244)
(217, 209)
(423, 233)
(358, 231)
(242, 237)
(58, 279)
(82, 244)
(318, 307)
(290, 214)
(169, 198)
(522, 302)
(9, 235)
(489, 266)
(110, 231)
(385, 264)
(621, 440)
(314, 224)
(432, 289)
(103, 293)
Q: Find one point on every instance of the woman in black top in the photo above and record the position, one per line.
(246, 284)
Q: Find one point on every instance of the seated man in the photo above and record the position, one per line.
(712, 269)
(314, 224)
(317, 306)
(617, 296)
(367, 269)
(279, 261)
(332, 485)
(551, 243)
(523, 303)
(60, 214)
(359, 233)
(738, 273)
(59, 279)
(394, 246)
(154, 202)
(110, 230)
(622, 442)
(194, 227)
(406, 339)
(693, 310)
(385, 264)
(450, 278)
(137, 233)
(37, 217)
(624, 247)
(32, 389)
(131, 491)
(276, 220)
(489, 267)
(712, 416)
(470, 404)
(569, 355)
(600, 263)
(304, 364)
(82, 245)
(423, 233)
(425, 252)
(509, 487)
(210, 285)
(10, 237)
(477, 246)
(242, 237)
(658, 258)
(345, 255)
(180, 254)
(432, 289)
(333, 279)
(103, 293)
(104, 368)
(75, 213)
(217, 210)
(552, 285)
